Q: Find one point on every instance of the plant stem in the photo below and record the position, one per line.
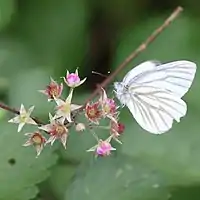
(13, 110)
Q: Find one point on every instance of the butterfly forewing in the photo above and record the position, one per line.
(175, 76)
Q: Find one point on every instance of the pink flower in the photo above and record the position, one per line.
(116, 129)
(108, 105)
(103, 148)
(37, 140)
(73, 80)
(57, 130)
(53, 90)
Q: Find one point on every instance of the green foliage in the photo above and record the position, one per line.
(20, 170)
(28, 93)
(7, 9)
(61, 178)
(55, 32)
(174, 153)
(118, 178)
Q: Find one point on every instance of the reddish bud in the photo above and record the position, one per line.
(93, 112)
(121, 128)
(57, 130)
(37, 140)
(53, 90)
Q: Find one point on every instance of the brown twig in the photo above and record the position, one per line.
(5, 107)
(135, 53)
(13, 110)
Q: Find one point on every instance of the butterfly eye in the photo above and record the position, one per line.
(126, 87)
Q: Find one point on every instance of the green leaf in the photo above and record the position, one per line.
(20, 171)
(60, 178)
(25, 86)
(185, 193)
(175, 152)
(59, 38)
(117, 178)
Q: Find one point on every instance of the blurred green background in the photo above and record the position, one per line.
(43, 38)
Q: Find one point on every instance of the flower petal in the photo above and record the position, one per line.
(46, 127)
(43, 92)
(28, 134)
(51, 118)
(30, 110)
(22, 109)
(92, 148)
(75, 107)
(81, 82)
(63, 140)
(51, 140)
(27, 143)
(30, 121)
(68, 117)
(69, 98)
(59, 102)
(76, 72)
(15, 120)
(39, 149)
(20, 126)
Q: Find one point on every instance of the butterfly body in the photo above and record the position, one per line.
(153, 91)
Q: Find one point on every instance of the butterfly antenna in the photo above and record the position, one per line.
(100, 74)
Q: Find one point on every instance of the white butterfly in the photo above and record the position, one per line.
(152, 91)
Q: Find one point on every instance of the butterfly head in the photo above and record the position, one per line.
(121, 91)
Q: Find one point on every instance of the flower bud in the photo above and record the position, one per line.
(37, 140)
(73, 80)
(121, 128)
(53, 90)
(104, 148)
(93, 112)
(80, 127)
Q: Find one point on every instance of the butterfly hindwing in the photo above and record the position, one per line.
(155, 109)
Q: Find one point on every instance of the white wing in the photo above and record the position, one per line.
(155, 109)
(175, 76)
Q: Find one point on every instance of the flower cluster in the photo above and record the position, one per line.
(65, 117)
